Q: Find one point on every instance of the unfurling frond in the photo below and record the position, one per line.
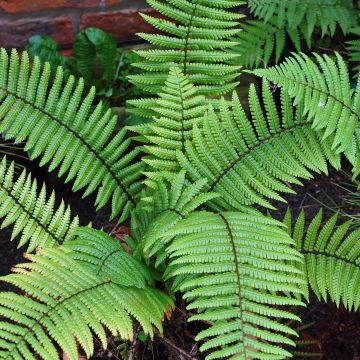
(195, 36)
(33, 214)
(237, 273)
(68, 301)
(250, 161)
(163, 207)
(177, 110)
(323, 89)
(332, 258)
(60, 128)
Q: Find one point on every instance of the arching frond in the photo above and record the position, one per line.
(236, 273)
(326, 14)
(250, 161)
(195, 36)
(32, 214)
(332, 258)
(324, 90)
(60, 128)
(177, 110)
(68, 300)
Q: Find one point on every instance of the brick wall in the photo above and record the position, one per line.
(63, 19)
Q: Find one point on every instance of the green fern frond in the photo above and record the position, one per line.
(195, 36)
(178, 109)
(308, 14)
(332, 258)
(67, 300)
(353, 49)
(61, 129)
(236, 273)
(161, 208)
(324, 91)
(260, 42)
(33, 215)
(249, 161)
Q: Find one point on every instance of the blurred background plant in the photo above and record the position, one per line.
(96, 58)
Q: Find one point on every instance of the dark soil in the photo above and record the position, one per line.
(334, 333)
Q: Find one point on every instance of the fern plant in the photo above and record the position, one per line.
(193, 190)
(325, 86)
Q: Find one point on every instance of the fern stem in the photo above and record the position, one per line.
(242, 156)
(106, 258)
(238, 279)
(83, 141)
(329, 255)
(187, 38)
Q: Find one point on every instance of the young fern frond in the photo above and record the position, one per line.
(323, 89)
(68, 300)
(32, 214)
(195, 34)
(250, 161)
(332, 258)
(177, 110)
(237, 273)
(163, 207)
(307, 14)
(60, 129)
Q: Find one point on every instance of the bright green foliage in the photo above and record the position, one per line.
(163, 207)
(307, 14)
(60, 128)
(323, 89)
(196, 35)
(353, 48)
(249, 161)
(332, 258)
(243, 279)
(33, 215)
(67, 300)
(178, 109)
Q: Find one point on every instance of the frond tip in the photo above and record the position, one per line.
(33, 215)
(237, 273)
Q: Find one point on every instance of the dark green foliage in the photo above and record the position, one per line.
(96, 59)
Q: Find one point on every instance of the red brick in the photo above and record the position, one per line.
(123, 24)
(16, 6)
(16, 33)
